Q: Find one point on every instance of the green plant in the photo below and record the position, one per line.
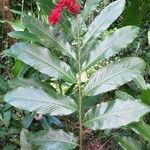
(63, 56)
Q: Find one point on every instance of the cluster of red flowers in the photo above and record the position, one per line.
(71, 5)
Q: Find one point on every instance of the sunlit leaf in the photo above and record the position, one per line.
(115, 114)
(48, 36)
(114, 75)
(42, 60)
(104, 20)
(52, 140)
(111, 45)
(36, 100)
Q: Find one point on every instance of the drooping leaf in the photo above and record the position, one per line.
(47, 36)
(145, 96)
(42, 60)
(19, 68)
(36, 100)
(3, 86)
(89, 7)
(111, 45)
(52, 140)
(9, 147)
(128, 143)
(123, 95)
(115, 114)
(45, 6)
(104, 20)
(23, 140)
(141, 83)
(24, 35)
(7, 118)
(114, 75)
(27, 120)
(142, 129)
(22, 82)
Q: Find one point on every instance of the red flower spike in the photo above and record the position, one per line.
(71, 5)
(54, 16)
(74, 9)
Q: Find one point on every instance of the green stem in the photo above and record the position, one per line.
(22, 9)
(79, 87)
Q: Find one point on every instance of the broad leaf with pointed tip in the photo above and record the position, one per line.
(114, 75)
(46, 35)
(104, 20)
(25, 35)
(89, 7)
(54, 140)
(128, 143)
(142, 129)
(36, 100)
(115, 114)
(23, 140)
(111, 45)
(43, 60)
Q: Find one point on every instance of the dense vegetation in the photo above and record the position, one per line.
(79, 83)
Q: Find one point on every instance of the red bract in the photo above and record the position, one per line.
(54, 16)
(71, 5)
(74, 9)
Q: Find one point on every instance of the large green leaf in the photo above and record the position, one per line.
(145, 96)
(115, 114)
(42, 60)
(112, 45)
(3, 86)
(23, 140)
(45, 6)
(104, 20)
(25, 35)
(89, 7)
(23, 82)
(141, 83)
(128, 143)
(135, 12)
(36, 100)
(114, 75)
(142, 129)
(48, 36)
(54, 140)
(123, 95)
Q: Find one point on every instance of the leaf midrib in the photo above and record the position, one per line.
(43, 101)
(112, 77)
(106, 17)
(110, 114)
(62, 141)
(52, 66)
(113, 43)
(54, 40)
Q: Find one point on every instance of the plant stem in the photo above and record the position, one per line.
(79, 86)
(22, 9)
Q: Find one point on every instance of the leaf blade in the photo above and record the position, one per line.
(108, 16)
(54, 140)
(47, 36)
(43, 60)
(114, 75)
(128, 143)
(36, 100)
(142, 129)
(112, 45)
(115, 114)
